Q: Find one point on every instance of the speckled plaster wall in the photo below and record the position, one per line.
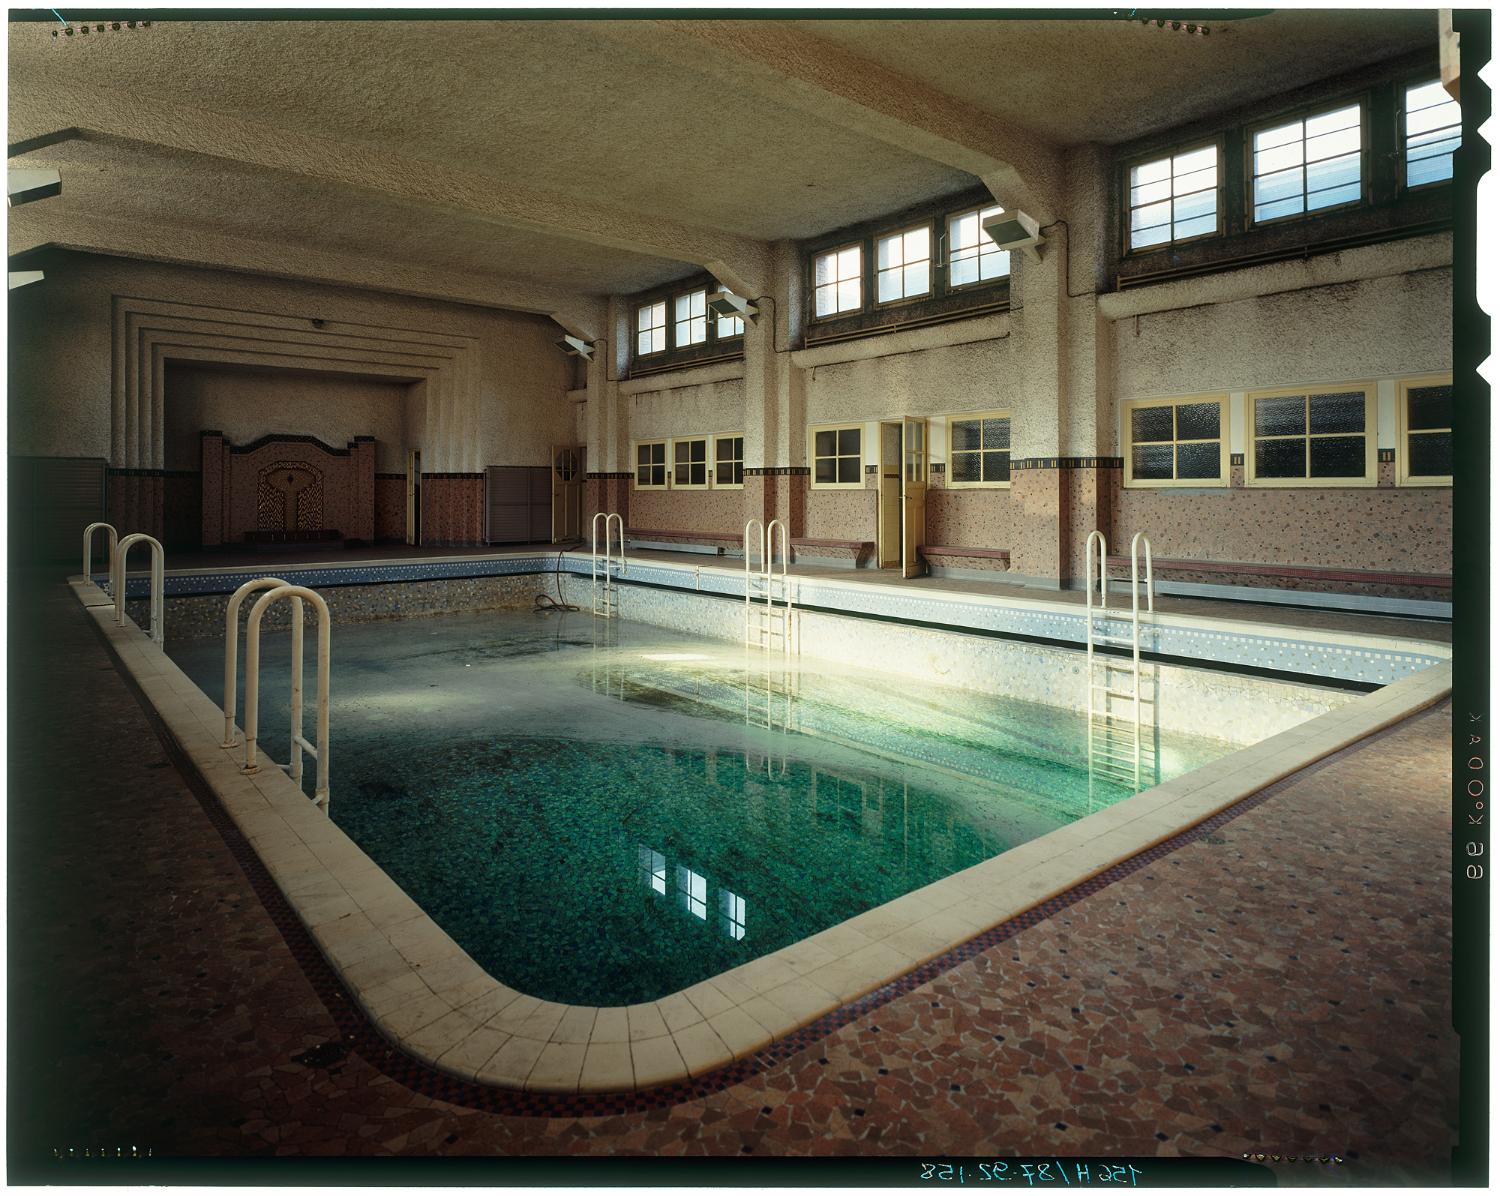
(979, 376)
(843, 514)
(1405, 529)
(720, 511)
(246, 405)
(700, 410)
(969, 518)
(1372, 328)
(390, 507)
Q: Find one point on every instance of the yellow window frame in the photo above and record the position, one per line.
(1372, 455)
(813, 458)
(713, 458)
(1131, 482)
(948, 482)
(679, 441)
(635, 464)
(1404, 476)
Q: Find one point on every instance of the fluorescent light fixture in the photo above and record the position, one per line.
(574, 347)
(1014, 230)
(24, 278)
(24, 186)
(727, 305)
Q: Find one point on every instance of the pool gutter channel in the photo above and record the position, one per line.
(426, 996)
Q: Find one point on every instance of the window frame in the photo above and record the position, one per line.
(863, 245)
(666, 328)
(872, 269)
(672, 482)
(948, 482)
(1360, 100)
(1128, 479)
(1403, 460)
(635, 473)
(945, 253)
(672, 320)
(1401, 87)
(1220, 192)
(812, 458)
(1371, 475)
(713, 456)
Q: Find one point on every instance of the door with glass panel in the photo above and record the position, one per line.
(913, 494)
(567, 492)
(888, 538)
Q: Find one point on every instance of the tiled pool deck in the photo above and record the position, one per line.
(1007, 1093)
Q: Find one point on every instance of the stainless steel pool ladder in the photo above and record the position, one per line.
(768, 591)
(158, 583)
(606, 597)
(1116, 748)
(109, 552)
(299, 743)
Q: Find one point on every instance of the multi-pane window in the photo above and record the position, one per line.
(837, 281)
(1424, 409)
(690, 319)
(690, 462)
(1174, 198)
(651, 329)
(728, 326)
(1432, 128)
(979, 450)
(653, 869)
(1175, 442)
(837, 457)
(903, 264)
(972, 255)
(1316, 436)
(1308, 164)
(651, 465)
(729, 461)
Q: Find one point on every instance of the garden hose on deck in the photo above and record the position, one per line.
(545, 602)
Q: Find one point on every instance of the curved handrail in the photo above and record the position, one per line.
(158, 585)
(88, 549)
(1144, 542)
(231, 649)
(299, 744)
(611, 518)
(1088, 570)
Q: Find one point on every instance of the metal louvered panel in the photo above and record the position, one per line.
(52, 499)
(517, 504)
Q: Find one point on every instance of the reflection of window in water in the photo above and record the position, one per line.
(654, 869)
(693, 890)
(732, 911)
(834, 795)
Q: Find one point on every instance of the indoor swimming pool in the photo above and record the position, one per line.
(605, 812)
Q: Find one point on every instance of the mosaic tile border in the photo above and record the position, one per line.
(1310, 654)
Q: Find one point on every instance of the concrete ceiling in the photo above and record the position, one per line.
(544, 164)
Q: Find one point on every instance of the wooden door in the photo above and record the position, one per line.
(567, 492)
(889, 532)
(913, 495)
(414, 497)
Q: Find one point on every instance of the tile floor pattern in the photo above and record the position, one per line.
(1281, 984)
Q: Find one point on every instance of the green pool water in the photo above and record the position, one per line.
(607, 813)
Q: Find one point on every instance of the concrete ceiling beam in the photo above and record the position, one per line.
(36, 227)
(790, 67)
(44, 116)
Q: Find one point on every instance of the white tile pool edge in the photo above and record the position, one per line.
(429, 998)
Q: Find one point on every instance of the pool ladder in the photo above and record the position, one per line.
(771, 704)
(768, 592)
(1117, 749)
(606, 569)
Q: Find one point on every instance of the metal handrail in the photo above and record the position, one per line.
(749, 586)
(772, 577)
(88, 549)
(610, 519)
(231, 649)
(158, 584)
(1140, 549)
(1144, 542)
(299, 743)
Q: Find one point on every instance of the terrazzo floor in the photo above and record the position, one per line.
(1278, 985)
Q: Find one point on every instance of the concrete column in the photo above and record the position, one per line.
(775, 410)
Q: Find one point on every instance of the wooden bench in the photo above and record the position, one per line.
(1229, 571)
(853, 551)
(680, 541)
(945, 556)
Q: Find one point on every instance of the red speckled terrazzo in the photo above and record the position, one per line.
(1277, 978)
